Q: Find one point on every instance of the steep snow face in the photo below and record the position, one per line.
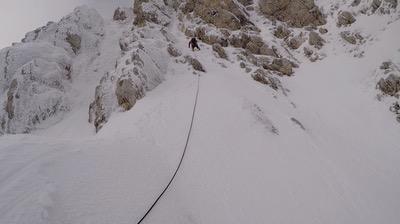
(288, 126)
(37, 74)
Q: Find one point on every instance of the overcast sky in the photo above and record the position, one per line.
(18, 17)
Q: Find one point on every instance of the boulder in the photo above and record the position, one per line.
(323, 30)
(220, 51)
(315, 40)
(253, 43)
(295, 42)
(239, 40)
(119, 15)
(390, 85)
(345, 18)
(195, 63)
(282, 65)
(74, 41)
(352, 38)
(174, 52)
(250, 57)
(265, 50)
(296, 13)
(386, 65)
(395, 108)
(266, 78)
(263, 61)
(281, 32)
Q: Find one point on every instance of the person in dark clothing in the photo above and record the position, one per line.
(193, 44)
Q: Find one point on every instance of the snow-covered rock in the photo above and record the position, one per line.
(37, 74)
(34, 81)
(81, 30)
(141, 68)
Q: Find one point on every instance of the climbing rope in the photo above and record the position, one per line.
(182, 157)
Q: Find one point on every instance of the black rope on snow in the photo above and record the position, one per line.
(182, 157)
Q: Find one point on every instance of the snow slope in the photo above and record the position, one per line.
(328, 152)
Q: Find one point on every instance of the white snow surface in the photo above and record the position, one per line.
(326, 153)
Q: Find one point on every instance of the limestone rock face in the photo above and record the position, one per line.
(221, 13)
(296, 13)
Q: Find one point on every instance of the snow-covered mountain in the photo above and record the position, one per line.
(296, 118)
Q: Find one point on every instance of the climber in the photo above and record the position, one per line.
(193, 44)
